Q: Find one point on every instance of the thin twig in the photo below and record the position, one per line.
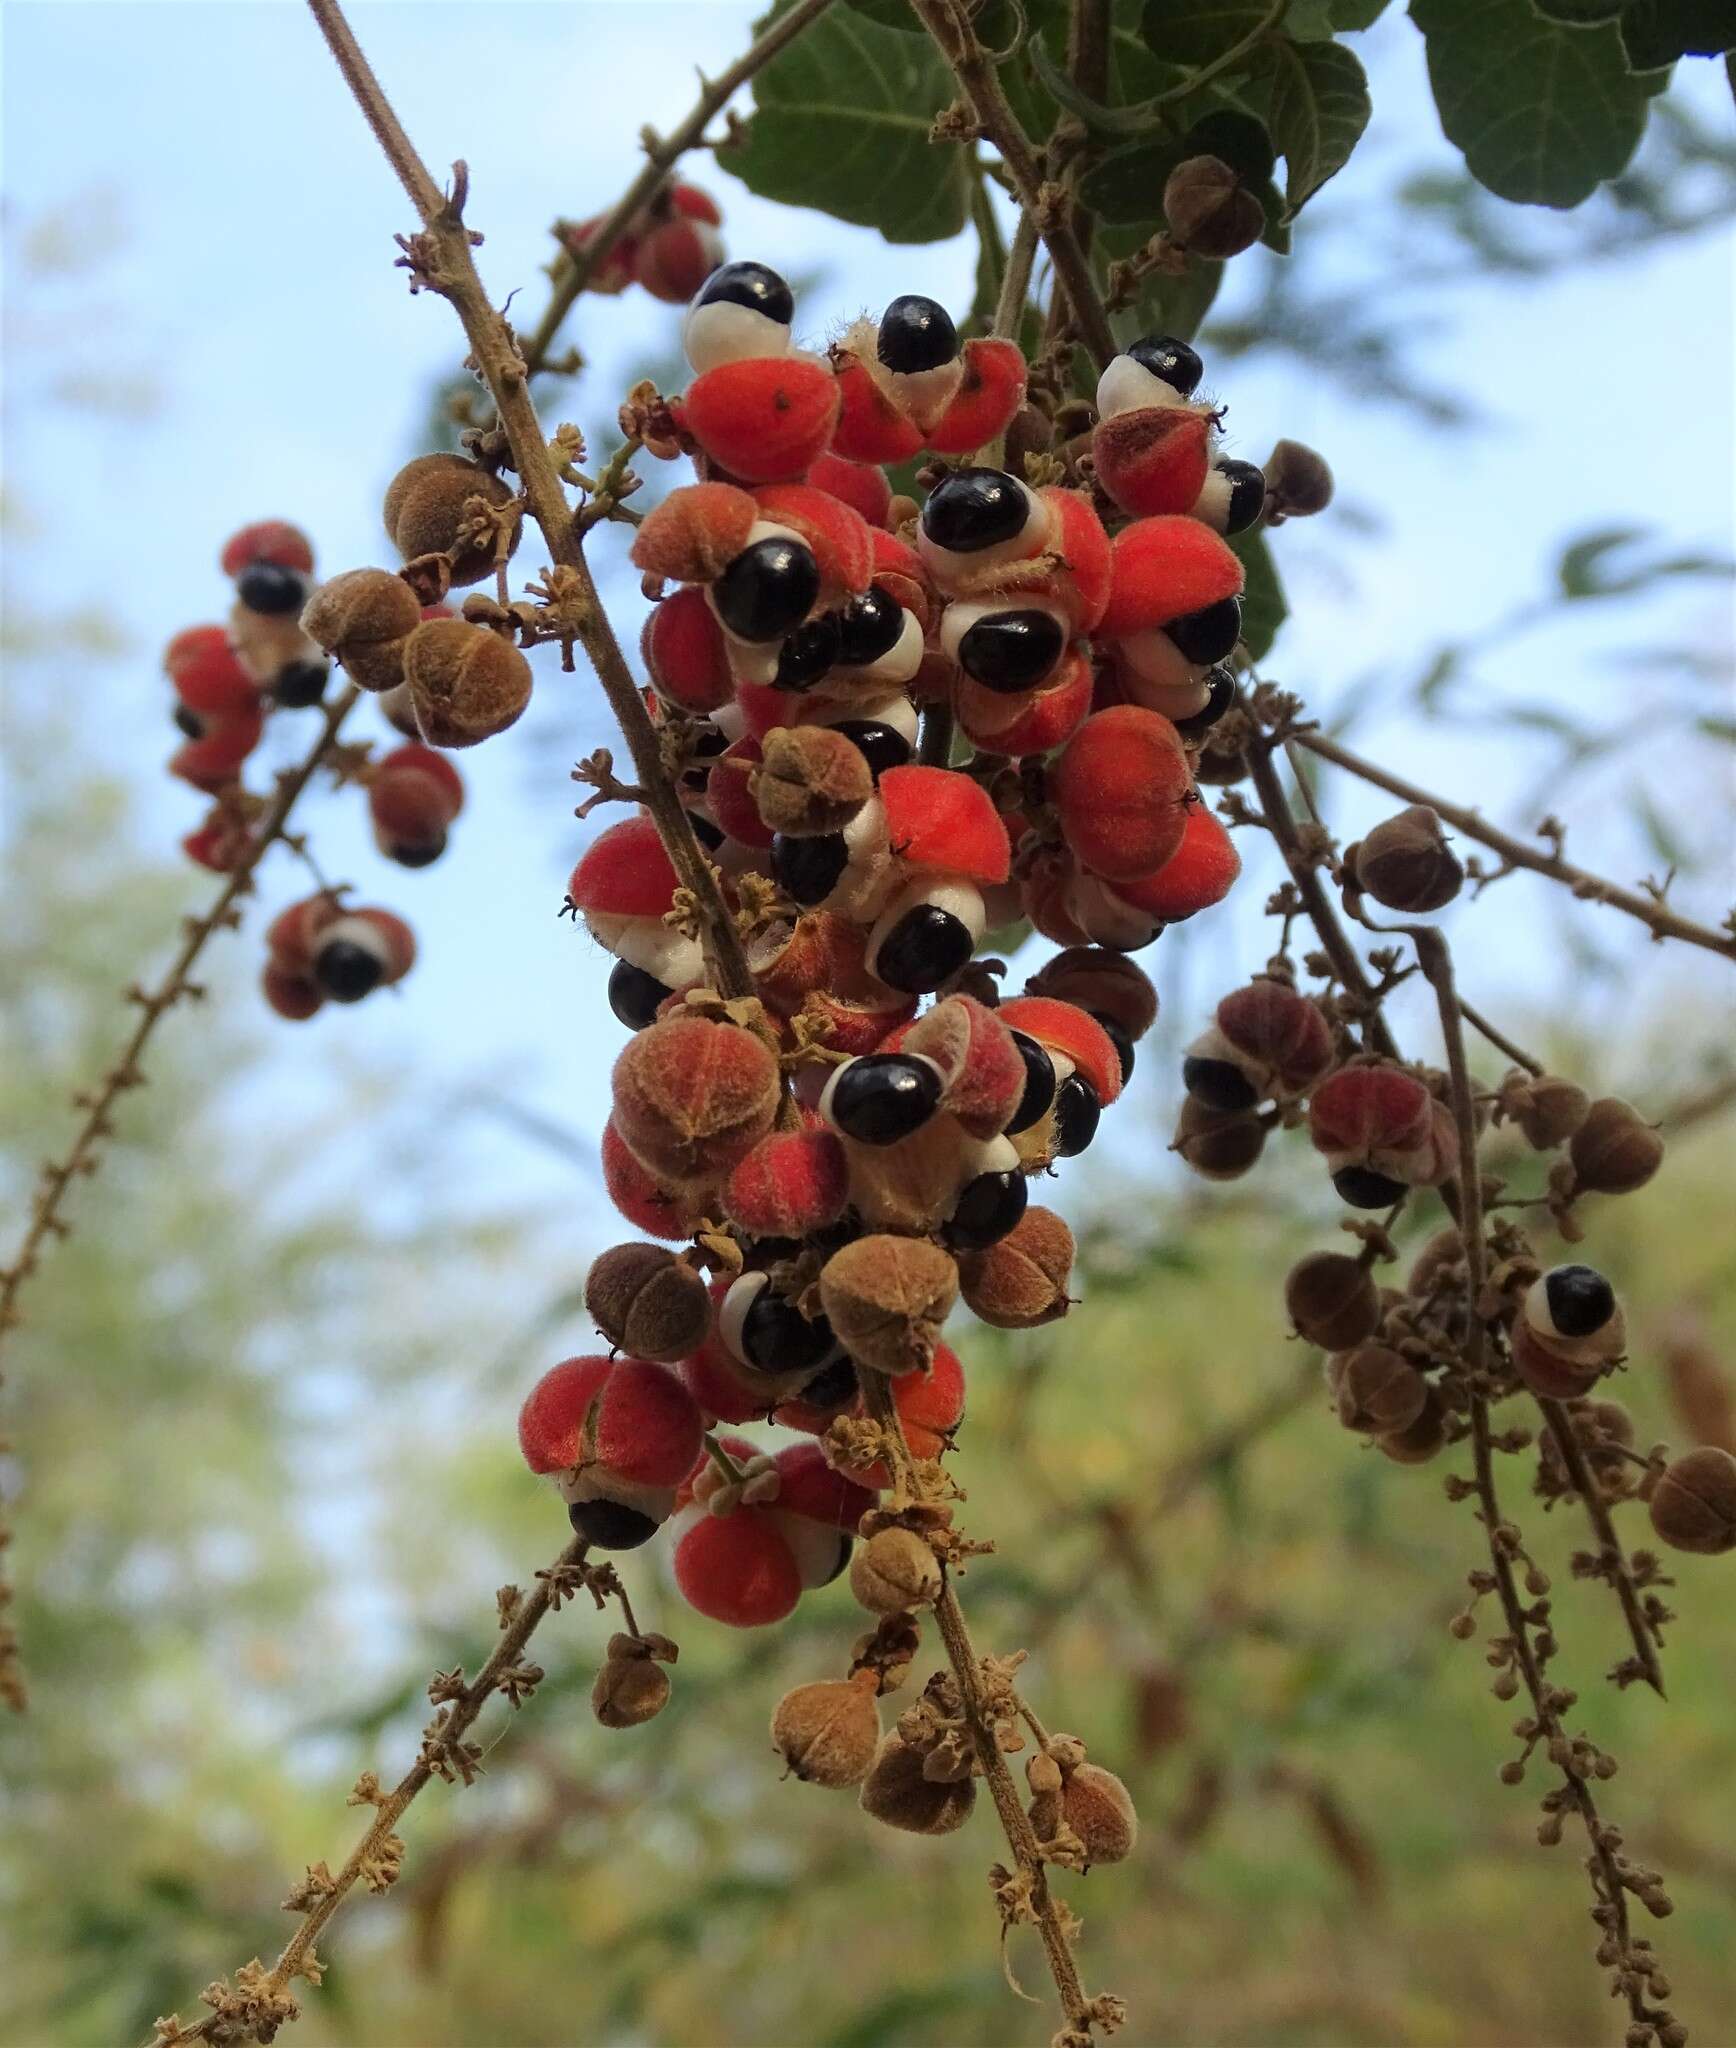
(1498, 1039)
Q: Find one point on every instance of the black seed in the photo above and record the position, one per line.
(987, 1209)
(916, 334)
(883, 1096)
(1078, 1111)
(1580, 1300)
(347, 972)
(709, 742)
(768, 590)
(266, 587)
(1219, 1084)
(1221, 694)
(1012, 651)
(189, 722)
(709, 835)
(610, 1525)
(634, 995)
(777, 1338)
(300, 684)
(975, 508)
(749, 284)
(421, 853)
(1177, 364)
(868, 627)
(808, 869)
(925, 947)
(1210, 633)
(834, 1385)
(845, 1545)
(1247, 494)
(1363, 1188)
(1039, 1083)
(881, 746)
(809, 652)
(1119, 1039)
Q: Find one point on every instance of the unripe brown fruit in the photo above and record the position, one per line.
(1102, 983)
(1614, 1151)
(1096, 1805)
(424, 513)
(894, 1571)
(465, 683)
(629, 1691)
(827, 1733)
(1021, 1280)
(897, 1793)
(886, 1298)
(648, 1302)
(365, 618)
(1298, 483)
(1332, 1300)
(1218, 1144)
(1210, 212)
(1378, 1393)
(1446, 1248)
(1694, 1504)
(1423, 1439)
(1406, 863)
(1546, 1108)
(693, 1095)
(811, 779)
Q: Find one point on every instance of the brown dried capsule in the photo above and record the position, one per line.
(1406, 863)
(693, 1095)
(365, 618)
(1210, 212)
(897, 1792)
(1030, 432)
(1614, 1151)
(1332, 1300)
(1546, 1108)
(1097, 1806)
(1218, 1145)
(1423, 1439)
(1446, 1248)
(1102, 983)
(1378, 1394)
(811, 780)
(886, 1298)
(1298, 483)
(425, 514)
(827, 1733)
(465, 683)
(648, 1302)
(1694, 1504)
(1021, 1281)
(894, 1571)
(629, 1691)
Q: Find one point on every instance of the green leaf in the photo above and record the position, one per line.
(1543, 114)
(1264, 605)
(1126, 185)
(1314, 97)
(1165, 305)
(840, 123)
(1577, 13)
(1654, 33)
(1195, 32)
(1586, 570)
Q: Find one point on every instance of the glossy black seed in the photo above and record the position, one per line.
(975, 508)
(1580, 1300)
(834, 1385)
(845, 1545)
(809, 653)
(868, 627)
(768, 590)
(1078, 1111)
(1177, 364)
(189, 722)
(883, 1096)
(1039, 1083)
(610, 1525)
(777, 1338)
(916, 334)
(1119, 1039)
(1012, 651)
(347, 972)
(1247, 494)
(987, 1209)
(1219, 1084)
(1363, 1188)
(881, 746)
(1221, 694)
(925, 947)
(420, 853)
(749, 284)
(808, 869)
(266, 587)
(300, 684)
(709, 835)
(1210, 633)
(634, 995)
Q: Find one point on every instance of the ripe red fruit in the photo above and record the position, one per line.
(1165, 567)
(685, 651)
(212, 761)
(208, 675)
(1155, 459)
(1066, 1029)
(861, 485)
(695, 533)
(1201, 871)
(765, 420)
(937, 818)
(992, 391)
(624, 1413)
(675, 258)
(268, 540)
(661, 1207)
(291, 995)
(791, 1184)
(1121, 788)
(837, 535)
(413, 795)
(736, 1568)
(1034, 723)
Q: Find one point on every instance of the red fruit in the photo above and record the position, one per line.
(694, 1095)
(211, 762)
(660, 1207)
(1121, 788)
(1199, 873)
(930, 1405)
(729, 798)
(697, 531)
(1279, 1032)
(1082, 581)
(676, 258)
(624, 873)
(870, 428)
(1154, 460)
(812, 1489)
(1034, 723)
(290, 995)
(208, 675)
(1163, 568)
(859, 485)
(736, 1568)
(982, 1071)
(615, 272)
(413, 796)
(992, 391)
(694, 203)
(939, 819)
(791, 1184)
(398, 940)
(220, 844)
(837, 535)
(1369, 1108)
(635, 1419)
(268, 540)
(765, 420)
(1065, 1028)
(291, 936)
(685, 651)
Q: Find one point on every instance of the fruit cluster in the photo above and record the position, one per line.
(671, 250)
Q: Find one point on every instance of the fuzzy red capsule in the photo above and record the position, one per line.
(685, 651)
(274, 541)
(930, 1405)
(414, 793)
(1201, 871)
(618, 1435)
(1381, 1131)
(737, 1568)
(675, 257)
(661, 1207)
(863, 486)
(991, 390)
(693, 1095)
(1068, 1030)
(937, 818)
(622, 887)
(1154, 460)
(1121, 788)
(792, 1184)
(870, 426)
(208, 675)
(982, 1073)
(1163, 568)
(1277, 1034)
(1034, 723)
(291, 995)
(213, 760)
(836, 535)
(765, 420)
(697, 531)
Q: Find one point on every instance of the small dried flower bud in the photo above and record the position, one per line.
(628, 1691)
(1614, 1151)
(1423, 1439)
(886, 1298)
(812, 779)
(693, 1095)
(1218, 1144)
(1096, 1805)
(827, 1733)
(1043, 1774)
(464, 682)
(1211, 213)
(1406, 863)
(1298, 483)
(1693, 1505)
(1378, 1393)
(1021, 1280)
(1446, 1248)
(1546, 1108)
(648, 1302)
(1332, 1300)
(1101, 983)
(424, 513)
(894, 1571)
(897, 1792)
(365, 618)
